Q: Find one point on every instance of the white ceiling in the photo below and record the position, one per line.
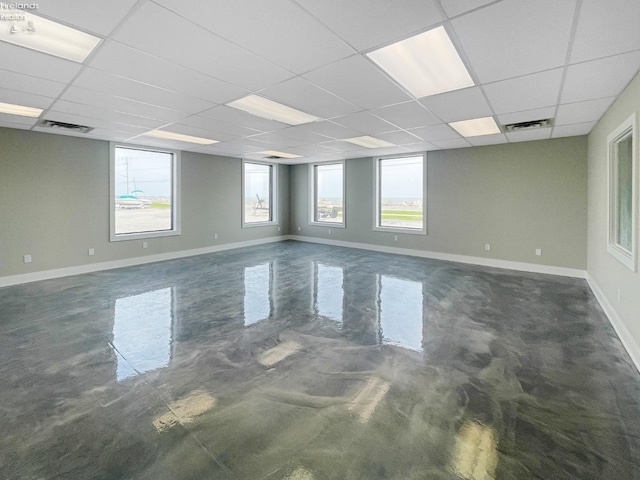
(174, 64)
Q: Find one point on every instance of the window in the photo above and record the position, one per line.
(327, 193)
(400, 194)
(258, 192)
(623, 186)
(144, 192)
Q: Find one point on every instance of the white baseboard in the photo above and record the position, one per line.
(487, 262)
(618, 325)
(128, 262)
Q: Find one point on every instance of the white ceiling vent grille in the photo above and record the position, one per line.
(273, 157)
(530, 125)
(64, 126)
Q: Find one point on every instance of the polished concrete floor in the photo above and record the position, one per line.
(300, 361)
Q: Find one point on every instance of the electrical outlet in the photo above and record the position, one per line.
(278, 228)
(395, 238)
(299, 229)
(215, 236)
(27, 258)
(91, 252)
(145, 244)
(539, 252)
(487, 246)
(329, 231)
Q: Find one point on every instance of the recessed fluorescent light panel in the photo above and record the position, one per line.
(476, 127)
(47, 36)
(275, 153)
(20, 110)
(261, 107)
(369, 142)
(180, 137)
(425, 64)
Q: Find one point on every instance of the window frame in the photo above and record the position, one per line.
(377, 179)
(273, 194)
(313, 191)
(627, 128)
(176, 202)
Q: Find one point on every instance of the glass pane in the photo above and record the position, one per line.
(329, 202)
(257, 193)
(401, 192)
(144, 191)
(624, 201)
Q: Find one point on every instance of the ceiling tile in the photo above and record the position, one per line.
(95, 15)
(275, 139)
(196, 132)
(523, 37)
(621, 34)
(456, 7)
(25, 99)
(29, 62)
(348, 78)
(599, 78)
(572, 130)
(399, 137)
(581, 112)
(230, 149)
(365, 123)
(30, 84)
(26, 122)
(309, 98)
(109, 84)
(371, 23)
(329, 129)
(407, 115)
(241, 118)
(488, 139)
(458, 105)
(525, 93)
(450, 144)
(218, 126)
(375, 152)
(303, 135)
(110, 102)
(128, 62)
(421, 147)
(292, 38)
(527, 115)
(341, 146)
(435, 133)
(147, 30)
(528, 135)
(105, 114)
(93, 122)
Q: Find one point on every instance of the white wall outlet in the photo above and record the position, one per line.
(539, 252)
(215, 236)
(145, 244)
(395, 238)
(278, 228)
(487, 246)
(299, 228)
(329, 231)
(27, 258)
(619, 295)
(91, 252)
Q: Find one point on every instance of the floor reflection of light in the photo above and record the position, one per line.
(257, 293)
(476, 454)
(401, 312)
(142, 332)
(330, 292)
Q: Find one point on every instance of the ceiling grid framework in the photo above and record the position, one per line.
(176, 66)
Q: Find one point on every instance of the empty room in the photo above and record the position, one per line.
(320, 239)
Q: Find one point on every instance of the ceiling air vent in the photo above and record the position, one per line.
(65, 126)
(530, 125)
(273, 157)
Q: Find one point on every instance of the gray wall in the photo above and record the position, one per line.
(54, 204)
(609, 274)
(516, 197)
